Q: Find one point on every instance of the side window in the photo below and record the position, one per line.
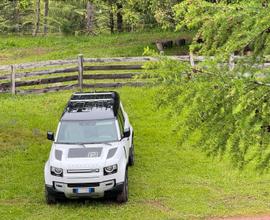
(121, 124)
(121, 115)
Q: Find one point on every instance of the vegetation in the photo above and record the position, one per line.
(169, 181)
(83, 17)
(222, 28)
(223, 110)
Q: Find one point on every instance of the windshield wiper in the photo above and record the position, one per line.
(82, 145)
(98, 143)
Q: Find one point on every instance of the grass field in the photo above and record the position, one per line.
(168, 181)
(20, 49)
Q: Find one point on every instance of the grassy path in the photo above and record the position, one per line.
(168, 181)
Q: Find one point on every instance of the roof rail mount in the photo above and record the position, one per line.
(85, 101)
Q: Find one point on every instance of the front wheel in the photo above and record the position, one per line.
(49, 197)
(122, 197)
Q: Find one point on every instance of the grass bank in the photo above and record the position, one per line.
(168, 181)
(19, 49)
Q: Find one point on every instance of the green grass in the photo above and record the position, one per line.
(168, 181)
(20, 49)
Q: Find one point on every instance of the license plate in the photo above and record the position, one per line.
(83, 190)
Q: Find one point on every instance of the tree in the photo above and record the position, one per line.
(225, 27)
(119, 15)
(15, 15)
(37, 17)
(46, 13)
(223, 111)
(90, 17)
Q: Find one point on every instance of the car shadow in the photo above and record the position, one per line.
(87, 201)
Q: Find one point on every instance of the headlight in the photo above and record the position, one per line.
(110, 169)
(56, 171)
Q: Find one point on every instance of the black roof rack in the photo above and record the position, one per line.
(84, 102)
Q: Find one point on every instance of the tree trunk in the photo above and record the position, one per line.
(90, 17)
(119, 17)
(46, 13)
(37, 22)
(111, 24)
(16, 15)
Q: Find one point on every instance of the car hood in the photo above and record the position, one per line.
(82, 156)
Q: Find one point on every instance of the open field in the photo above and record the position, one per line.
(168, 181)
(19, 49)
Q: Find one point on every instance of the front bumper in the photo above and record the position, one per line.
(72, 190)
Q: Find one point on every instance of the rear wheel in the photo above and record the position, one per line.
(122, 196)
(49, 197)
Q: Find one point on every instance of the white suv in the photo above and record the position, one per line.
(91, 150)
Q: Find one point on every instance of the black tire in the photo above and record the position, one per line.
(49, 197)
(122, 196)
(131, 158)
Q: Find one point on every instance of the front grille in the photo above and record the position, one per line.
(72, 185)
(83, 171)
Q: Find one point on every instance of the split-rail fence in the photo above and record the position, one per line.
(79, 73)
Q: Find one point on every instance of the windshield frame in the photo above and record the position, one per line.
(85, 143)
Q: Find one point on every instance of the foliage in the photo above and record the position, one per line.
(223, 112)
(15, 16)
(226, 27)
(69, 16)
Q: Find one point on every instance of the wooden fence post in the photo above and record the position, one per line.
(80, 71)
(231, 62)
(191, 59)
(13, 79)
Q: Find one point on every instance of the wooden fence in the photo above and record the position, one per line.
(90, 73)
(60, 72)
(14, 76)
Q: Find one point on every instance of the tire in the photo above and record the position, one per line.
(49, 197)
(122, 197)
(131, 158)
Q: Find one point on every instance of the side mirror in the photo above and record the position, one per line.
(127, 133)
(50, 136)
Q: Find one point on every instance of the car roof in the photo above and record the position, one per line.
(96, 113)
(92, 106)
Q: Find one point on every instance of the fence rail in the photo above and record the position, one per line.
(62, 71)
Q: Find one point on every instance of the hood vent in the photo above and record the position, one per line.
(58, 154)
(111, 153)
(84, 152)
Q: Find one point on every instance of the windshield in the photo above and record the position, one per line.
(86, 132)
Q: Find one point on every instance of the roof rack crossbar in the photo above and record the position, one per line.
(93, 93)
(91, 100)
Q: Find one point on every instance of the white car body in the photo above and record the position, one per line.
(82, 165)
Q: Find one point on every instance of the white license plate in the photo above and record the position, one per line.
(83, 190)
